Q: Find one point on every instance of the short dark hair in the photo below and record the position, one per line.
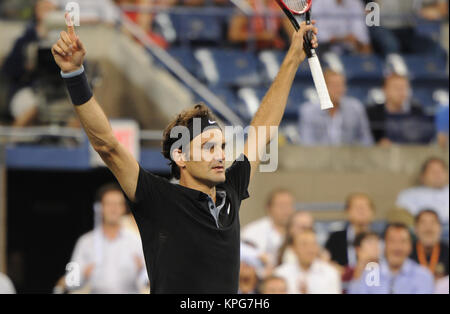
(426, 211)
(360, 237)
(106, 188)
(182, 119)
(397, 225)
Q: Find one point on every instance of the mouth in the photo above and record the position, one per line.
(218, 169)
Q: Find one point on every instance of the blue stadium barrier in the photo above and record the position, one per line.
(234, 67)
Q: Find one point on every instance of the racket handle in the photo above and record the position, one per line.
(319, 82)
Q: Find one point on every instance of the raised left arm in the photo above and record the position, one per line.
(273, 105)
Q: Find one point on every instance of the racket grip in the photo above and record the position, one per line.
(319, 82)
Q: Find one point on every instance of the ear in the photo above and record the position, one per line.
(179, 158)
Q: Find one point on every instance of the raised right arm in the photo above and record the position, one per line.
(69, 53)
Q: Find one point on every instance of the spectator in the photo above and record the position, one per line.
(432, 192)
(441, 122)
(267, 233)
(345, 124)
(6, 286)
(248, 279)
(434, 10)
(298, 222)
(309, 274)
(265, 27)
(273, 285)
(110, 257)
(342, 26)
(368, 250)
(429, 251)
(442, 286)
(398, 32)
(20, 67)
(399, 120)
(145, 19)
(397, 273)
(360, 211)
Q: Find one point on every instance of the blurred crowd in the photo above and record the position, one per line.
(33, 94)
(284, 251)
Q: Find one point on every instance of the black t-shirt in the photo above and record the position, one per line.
(185, 251)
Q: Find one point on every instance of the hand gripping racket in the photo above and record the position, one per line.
(294, 9)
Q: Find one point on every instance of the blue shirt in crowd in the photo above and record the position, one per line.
(411, 279)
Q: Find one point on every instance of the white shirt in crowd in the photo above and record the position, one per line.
(116, 269)
(419, 198)
(264, 236)
(442, 286)
(320, 278)
(338, 20)
(6, 286)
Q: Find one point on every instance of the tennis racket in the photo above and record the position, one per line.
(295, 10)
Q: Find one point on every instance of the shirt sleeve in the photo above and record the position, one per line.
(442, 121)
(146, 190)
(366, 134)
(238, 176)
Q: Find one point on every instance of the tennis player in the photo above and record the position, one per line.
(190, 231)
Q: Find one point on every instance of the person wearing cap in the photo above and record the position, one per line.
(190, 231)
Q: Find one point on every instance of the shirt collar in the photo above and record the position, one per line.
(406, 268)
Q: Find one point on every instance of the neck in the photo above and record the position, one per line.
(332, 112)
(111, 230)
(428, 248)
(395, 268)
(199, 186)
(360, 228)
(305, 265)
(394, 108)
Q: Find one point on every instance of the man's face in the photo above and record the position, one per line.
(113, 207)
(428, 229)
(207, 157)
(337, 86)
(301, 221)
(397, 246)
(305, 247)
(275, 286)
(360, 212)
(281, 208)
(43, 7)
(435, 175)
(397, 90)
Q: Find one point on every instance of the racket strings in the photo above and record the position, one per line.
(297, 5)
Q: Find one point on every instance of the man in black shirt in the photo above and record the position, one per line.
(189, 231)
(399, 120)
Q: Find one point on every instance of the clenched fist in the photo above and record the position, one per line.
(69, 51)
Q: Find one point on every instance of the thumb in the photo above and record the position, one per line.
(79, 44)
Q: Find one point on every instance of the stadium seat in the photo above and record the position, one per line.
(250, 99)
(228, 67)
(271, 60)
(429, 29)
(197, 28)
(426, 68)
(185, 57)
(359, 68)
